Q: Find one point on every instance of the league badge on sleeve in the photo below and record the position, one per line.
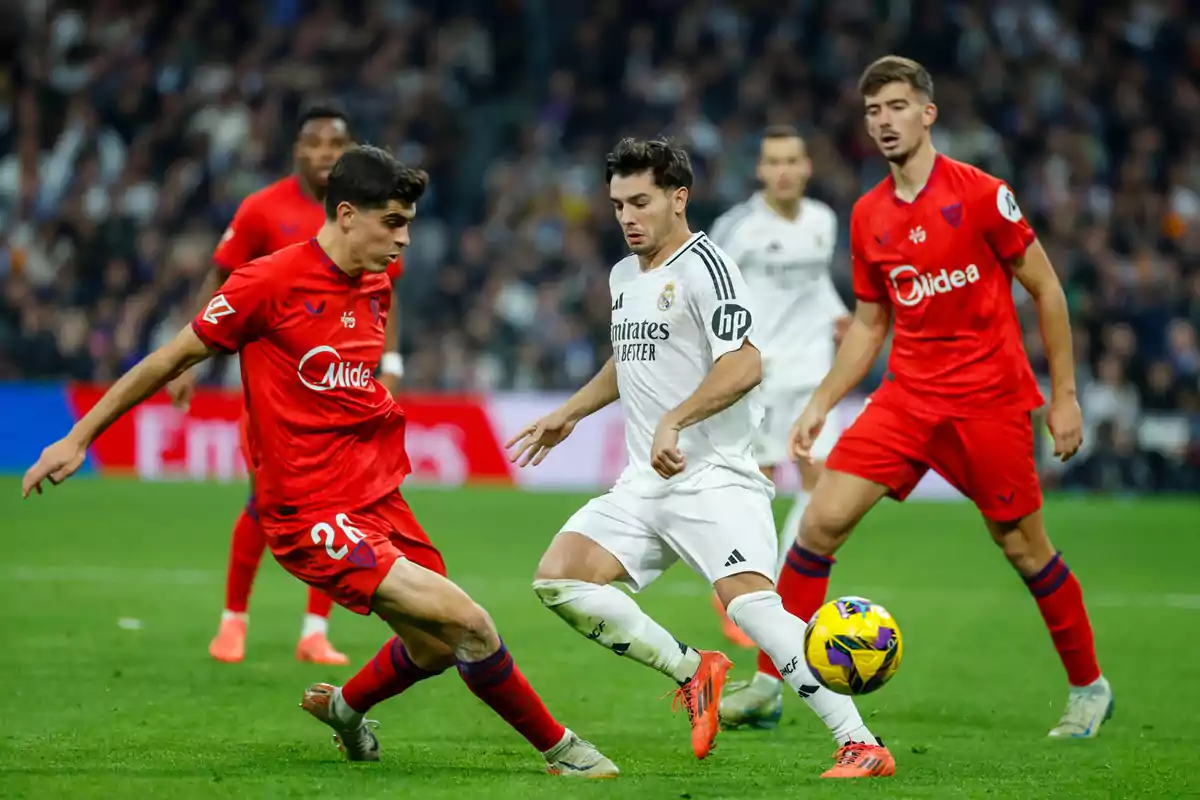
(217, 307)
(1006, 204)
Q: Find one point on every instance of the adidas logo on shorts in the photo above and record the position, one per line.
(735, 558)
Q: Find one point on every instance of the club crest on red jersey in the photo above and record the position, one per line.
(953, 214)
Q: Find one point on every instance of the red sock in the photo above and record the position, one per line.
(1060, 599)
(802, 587)
(319, 603)
(245, 553)
(497, 681)
(386, 675)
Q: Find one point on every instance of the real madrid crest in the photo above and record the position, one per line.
(667, 298)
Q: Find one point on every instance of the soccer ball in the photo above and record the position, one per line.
(853, 646)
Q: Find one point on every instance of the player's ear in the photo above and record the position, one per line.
(929, 113)
(345, 215)
(679, 201)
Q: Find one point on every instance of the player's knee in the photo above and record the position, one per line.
(474, 636)
(574, 557)
(822, 528)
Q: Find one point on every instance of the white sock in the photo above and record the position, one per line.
(238, 615)
(781, 636)
(791, 528)
(341, 711)
(610, 617)
(314, 624)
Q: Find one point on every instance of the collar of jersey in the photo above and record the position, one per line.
(682, 249)
(328, 262)
(933, 173)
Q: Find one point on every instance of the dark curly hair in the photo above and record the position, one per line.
(368, 177)
(668, 162)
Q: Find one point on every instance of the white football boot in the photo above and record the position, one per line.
(1088, 707)
(752, 704)
(575, 758)
(352, 734)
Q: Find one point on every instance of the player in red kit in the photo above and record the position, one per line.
(327, 442)
(283, 213)
(934, 250)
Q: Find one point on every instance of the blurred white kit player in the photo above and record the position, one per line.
(784, 244)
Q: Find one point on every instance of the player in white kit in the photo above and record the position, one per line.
(686, 369)
(784, 243)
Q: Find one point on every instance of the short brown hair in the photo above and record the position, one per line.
(893, 69)
(782, 131)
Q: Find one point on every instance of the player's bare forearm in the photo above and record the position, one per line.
(147, 377)
(860, 347)
(594, 395)
(1036, 274)
(731, 377)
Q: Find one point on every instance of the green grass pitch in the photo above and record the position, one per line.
(98, 706)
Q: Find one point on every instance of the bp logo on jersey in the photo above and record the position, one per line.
(1006, 204)
(730, 322)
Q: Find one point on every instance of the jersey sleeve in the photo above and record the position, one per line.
(239, 312)
(721, 300)
(867, 282)
(244, 240)
(1005, 228)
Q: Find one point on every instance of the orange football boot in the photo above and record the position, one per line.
(316, 649)
(728, 627)
(701, 696)
(229, 645)
(860, 760)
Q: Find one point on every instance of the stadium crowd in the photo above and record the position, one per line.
(129, 132)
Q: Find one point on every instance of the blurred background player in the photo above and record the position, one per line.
(286, 212)
(330, 502)
(784, 243)
(686, 371)
(934, 250)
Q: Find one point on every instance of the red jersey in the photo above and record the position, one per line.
(324, 434)
(942, 263)
(271, 219)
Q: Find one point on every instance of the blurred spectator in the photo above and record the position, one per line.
(130, 131)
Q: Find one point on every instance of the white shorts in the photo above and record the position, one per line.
(718, 532)
(781, 407)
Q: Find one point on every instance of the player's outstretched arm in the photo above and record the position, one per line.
(60, 460)
(1036, 274)
(732, 375)
(535, 441)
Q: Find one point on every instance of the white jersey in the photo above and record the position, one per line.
(786, 264)
(669, 326)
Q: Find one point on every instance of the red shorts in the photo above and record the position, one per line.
(347, 556)
(988, 459)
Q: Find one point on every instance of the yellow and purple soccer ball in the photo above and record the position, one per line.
(853, 646)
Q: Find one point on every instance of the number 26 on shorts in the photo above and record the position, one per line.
(324, 532)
